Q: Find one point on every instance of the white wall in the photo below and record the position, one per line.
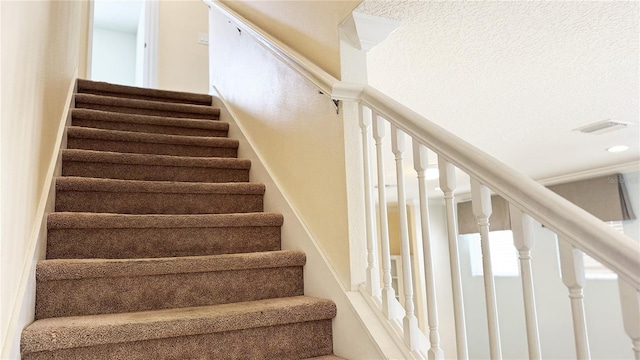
(41, 50)
(604, 318)
(114, 56)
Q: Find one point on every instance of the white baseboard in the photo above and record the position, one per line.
(23, 307)
(352, 337)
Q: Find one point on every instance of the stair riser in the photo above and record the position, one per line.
(150, 148)
(154, 242)
(153, 173)
(143, 97)
(157, 203)
(142, 111)
(283, 342)
(133, 92)
(139, 293)
(148, 128)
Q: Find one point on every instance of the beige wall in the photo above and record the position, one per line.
(40, 56)
(183, 63)
(294, 129)
(309, 27)
(297, 140)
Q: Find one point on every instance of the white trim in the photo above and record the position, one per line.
(151, 24)
(370, 30)
(90, 40)
(393, 328)
(297, 236)
(36, 234)
(385, 337)
(279, 186)
(592, 173)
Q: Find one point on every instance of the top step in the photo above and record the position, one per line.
(130, 92)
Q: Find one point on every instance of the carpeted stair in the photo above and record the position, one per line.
(159, 247)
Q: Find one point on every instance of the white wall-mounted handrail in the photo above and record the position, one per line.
(312, 72)
(617, 251)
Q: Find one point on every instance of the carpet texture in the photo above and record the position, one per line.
(159, 247)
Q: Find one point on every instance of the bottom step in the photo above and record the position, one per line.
(284, 328)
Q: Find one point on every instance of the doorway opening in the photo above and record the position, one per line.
(123, 40)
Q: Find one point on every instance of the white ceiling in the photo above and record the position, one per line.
(514, 78)
(120, 15)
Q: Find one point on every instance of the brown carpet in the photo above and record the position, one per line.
(159, 247)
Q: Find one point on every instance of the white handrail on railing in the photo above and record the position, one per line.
(577, 230)
(617, 251)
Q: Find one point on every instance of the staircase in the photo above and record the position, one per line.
(159, 247)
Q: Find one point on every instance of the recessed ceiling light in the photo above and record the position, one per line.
(617, 148)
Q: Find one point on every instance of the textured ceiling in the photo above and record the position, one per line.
(514, 78)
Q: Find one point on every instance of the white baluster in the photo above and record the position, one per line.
(572, 266)
(389, 308)
(372, 276)
(448, 186)
(522, 227)
(410, 321)
(420, 164)
(481, 204)
(630, 301)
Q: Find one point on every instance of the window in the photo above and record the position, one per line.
(504, 256)
(595, 270)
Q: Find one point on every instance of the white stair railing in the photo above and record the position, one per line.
(577, 231)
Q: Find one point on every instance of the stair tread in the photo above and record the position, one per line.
(96, 156)
(146, 104)
(78, 331)
(88, 85)
(66, 269)
(123, 203)
(91, 114)
(74, 183)
(77, 220)
(117, 135)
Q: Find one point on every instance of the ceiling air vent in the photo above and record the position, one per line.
(603, 126)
